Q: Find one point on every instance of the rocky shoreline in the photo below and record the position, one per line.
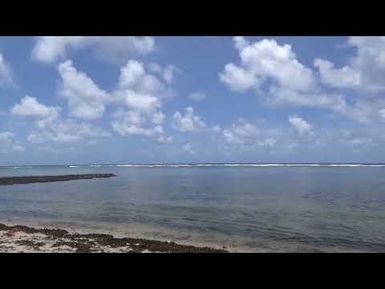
(24, 239)
(45, 179)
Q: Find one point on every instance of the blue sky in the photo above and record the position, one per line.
(191, 99)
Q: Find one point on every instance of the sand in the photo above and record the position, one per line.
(24, 239)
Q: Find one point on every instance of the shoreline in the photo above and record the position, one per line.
(26, 239)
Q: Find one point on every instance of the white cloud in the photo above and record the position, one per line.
(363, 111)
(49, 49)
(188, 148)
(266, 60)
(188, 122)
(240, 42)
(133, 123)
(355, 138)
(30, 107)
(345, 76)
(142, 94)
(134, 77)
(165, 139)
(139, 96)
(8, 143)
(275, 74)
(48, 125)
(85, 99)
(241, 133)
(382, 113)
(64, 131)
(169, 73)
(238, 79)
(197, 96)
(5, 72)
(302, 127)
(365, 69)
(117, 49)
(269, 143)
(369, 60)
(363, 75)
(279, 96)
(245, 135)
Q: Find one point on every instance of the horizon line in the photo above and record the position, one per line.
(197, 163)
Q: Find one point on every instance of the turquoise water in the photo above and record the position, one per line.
(269, 207)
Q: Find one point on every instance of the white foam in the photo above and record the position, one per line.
(250, 165)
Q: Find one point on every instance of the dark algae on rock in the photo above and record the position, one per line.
(88, 243)
(45, 179)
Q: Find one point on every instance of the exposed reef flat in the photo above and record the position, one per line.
(24, 239)
(46, 179)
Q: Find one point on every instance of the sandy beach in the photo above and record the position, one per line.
(25, 239)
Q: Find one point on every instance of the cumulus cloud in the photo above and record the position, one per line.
(64, 131)
(188, 122)
(85, 99)
(165, 139)
(363, 75)
(138, 95)
(345, 76)
(49, 49)
(5, 72)
(240, 42)
(247, 137)
(241, 133)
(275, 74)
(355, 139)
(133, 76)
(365, 69)
(333, 101)
(30, 107)
(169, 73)
(242, 136)
(369, 60)
(50, 127)
(266, 60)
(302, 127)
(8, 143)
(141, 93)
(239, 79)
(188, 148)
(197, 96)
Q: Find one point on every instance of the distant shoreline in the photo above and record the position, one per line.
(25, 239)
(97, 165)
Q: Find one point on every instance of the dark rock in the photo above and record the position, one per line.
(44, 179)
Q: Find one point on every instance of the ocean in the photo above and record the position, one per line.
(243, 207)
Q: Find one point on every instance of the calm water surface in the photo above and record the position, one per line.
(263, 208)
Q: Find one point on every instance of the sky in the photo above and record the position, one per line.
(84, 100)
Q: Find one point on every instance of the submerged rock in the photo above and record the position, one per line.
(45, 179)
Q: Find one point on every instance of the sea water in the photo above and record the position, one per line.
(249, 207)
